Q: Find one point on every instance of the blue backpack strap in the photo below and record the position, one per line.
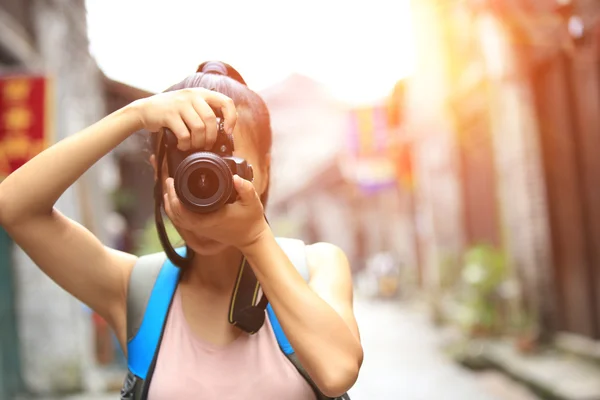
(283, 341)
(296, 252)
(151, 288)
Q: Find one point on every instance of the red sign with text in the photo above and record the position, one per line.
(25, 120)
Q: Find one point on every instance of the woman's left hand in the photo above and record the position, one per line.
(239, 224)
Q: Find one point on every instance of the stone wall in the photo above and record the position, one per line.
(438, 197)
(54, 328)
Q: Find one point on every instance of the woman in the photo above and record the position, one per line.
(317, 317)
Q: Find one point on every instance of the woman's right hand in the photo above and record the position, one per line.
(189, 114)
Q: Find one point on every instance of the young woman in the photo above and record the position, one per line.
(202, 355)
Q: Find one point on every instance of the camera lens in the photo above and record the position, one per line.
(203, 183)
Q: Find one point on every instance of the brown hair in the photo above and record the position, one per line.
(246, 101)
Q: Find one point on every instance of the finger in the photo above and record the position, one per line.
(245, 190)
(168, 208)
(174, 216)
(181, 131)
(209, 119)
(227, 107)
(196, 127)
(174, 205)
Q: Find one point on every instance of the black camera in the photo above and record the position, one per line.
(204, 179)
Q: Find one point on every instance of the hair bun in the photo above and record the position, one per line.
(213, 67)
(220, 68)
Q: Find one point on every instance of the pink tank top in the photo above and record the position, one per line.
(252, 367)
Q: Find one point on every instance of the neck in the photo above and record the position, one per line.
(216, 272)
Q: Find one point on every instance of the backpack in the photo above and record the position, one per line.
(152, 285)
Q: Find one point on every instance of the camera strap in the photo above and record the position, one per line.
(175, 258)
(245, 310)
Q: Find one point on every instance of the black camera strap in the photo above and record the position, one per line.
(175, 258)
(244, 310)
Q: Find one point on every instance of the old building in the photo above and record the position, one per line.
(45, 334)
(133, 198)
(323, 187)
(503, 114)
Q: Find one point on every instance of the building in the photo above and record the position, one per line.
(46, 340)
(133, 199)
(307, 132)
(317, 191)
(502, 114)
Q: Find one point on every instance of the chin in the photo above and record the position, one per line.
(205, 247)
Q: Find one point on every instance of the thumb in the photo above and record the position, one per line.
(245, 189)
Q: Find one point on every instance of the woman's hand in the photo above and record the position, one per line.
(188, 114)
(240, 224)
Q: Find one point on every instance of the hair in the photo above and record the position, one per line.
(257, 122)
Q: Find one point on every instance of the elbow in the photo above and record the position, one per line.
(337, 382)
(12, 212)
(7, 216)
(3, 212)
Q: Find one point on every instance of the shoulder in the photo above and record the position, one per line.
(147, 262)
(326, 256)
(141, 279)
(330, 273)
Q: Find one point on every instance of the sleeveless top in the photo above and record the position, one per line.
(251, 367)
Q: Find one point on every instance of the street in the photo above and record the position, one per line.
(403, 360)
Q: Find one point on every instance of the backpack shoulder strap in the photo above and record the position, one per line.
(141, 282)
(151, 287)
(296, 251)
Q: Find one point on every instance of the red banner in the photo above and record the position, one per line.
(25, 120)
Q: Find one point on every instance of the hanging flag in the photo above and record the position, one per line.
(25, 120)
(365, 130)
(368, 142)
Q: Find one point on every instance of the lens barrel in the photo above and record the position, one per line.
(203, 182)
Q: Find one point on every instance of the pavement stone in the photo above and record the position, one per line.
(562, 376)
(404, 360)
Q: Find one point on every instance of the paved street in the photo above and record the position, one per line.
(403, 361)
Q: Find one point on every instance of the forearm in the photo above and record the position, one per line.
(325, 345)
(35, 187)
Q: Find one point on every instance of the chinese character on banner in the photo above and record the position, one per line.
(25, 122)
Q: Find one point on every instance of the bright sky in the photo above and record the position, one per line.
(357, 48)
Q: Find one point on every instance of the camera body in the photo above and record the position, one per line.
(204, 179)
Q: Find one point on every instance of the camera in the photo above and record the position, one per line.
(204, 179)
